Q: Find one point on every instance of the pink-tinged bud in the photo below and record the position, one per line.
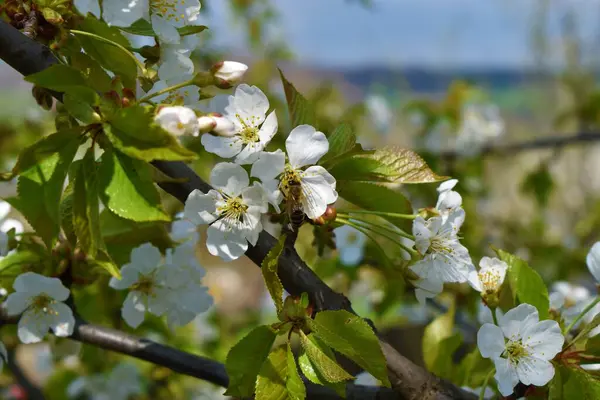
(223, 126)
(229, 72)
(206, 124)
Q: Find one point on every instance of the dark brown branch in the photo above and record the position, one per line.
(408, 380)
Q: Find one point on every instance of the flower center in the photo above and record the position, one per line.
(42, 303)
(145, 285)
(290, 183)
(167, 9)
(490, 280)
(352, 238)
(440, 245)
(233, 209)
(249, 132)
(515, 351)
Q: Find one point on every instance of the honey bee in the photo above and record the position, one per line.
(293, 205)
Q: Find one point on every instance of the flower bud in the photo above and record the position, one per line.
(223, 126)
(228, 73)
(206, 124)
(330, 213)
(178, 120)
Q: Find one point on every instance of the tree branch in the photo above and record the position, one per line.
(408, 380)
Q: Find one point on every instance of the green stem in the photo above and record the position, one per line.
(165, 90)
(371, 228)
(117, 45)
(494, 318)
(383, 213)
(581, 315)
(397, 231)
(367, 234)
(485, 384)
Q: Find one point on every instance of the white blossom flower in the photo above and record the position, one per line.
(218, 124)
(305, 146)
(6, 224)
(40, 300)
(428, 288)
(566, 295)
(233, 210)
(253, 131)
(484, 314)
(178, 120)
(445, 259)
(480, 124)
(165, 15)
(230, 72)
(3, 355)
(521, 347)
(175, 65)
(157, 286)
(182, 230)
(593, 261)
(350, 244)
(490, 276)
(448, 200)
(380, 113)
(123, 382)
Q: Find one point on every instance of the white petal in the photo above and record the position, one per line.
(474, 281)
(317, 170)
(165, 31)
(17, 302)
(252, 225)
(230, 178)
(448, 201)
(124, 13)
(201, 208)
(490, 341)
(447, 185)
(247, 102)
(545, 339)
(506, 376)
(9, 224)
(33, 326)
(250, 153)
(427, 289)
(63, 320)
(132, 310)
(268, 129)
(129, 275)
(88, 6)
(178, 120)
(306, 146)
(269, 165)
(317, 193)
(593, 261)
(225, 147)
(272, 192)
(158, 301)
(146, 258)
(227, 244)
(230, 71)
(35, 284)
(534, 371)
(175, 67)
(4, 209)
(518, 320)
(422, 234)
(255, 196)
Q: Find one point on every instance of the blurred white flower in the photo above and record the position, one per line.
(172, 287)
(178, 120)
(480, 125)
(230, 72)
(350, 244)
(593, 261)
(305, 146)
(380, 113)
(6, 224)
(566, 295)
(247, 111)
(88, 6)
(122, 382)
(182, 230)
(233, 210)
(521, 347)
(40, 300)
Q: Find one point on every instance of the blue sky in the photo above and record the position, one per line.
(411, 32)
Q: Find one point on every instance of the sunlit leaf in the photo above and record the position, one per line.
(294, 384)
(269, 271)
(86, 211)
(323, 359)
(301, 111)
(271, 382)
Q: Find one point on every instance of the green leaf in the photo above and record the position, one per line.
(245, 359)
(389, 164)
(58, 77)
(126, 188)
(86, 211)
(109, 56)
(133, 132)
(583, 334)
(439, 329)
(578, 384)
(312, 374)
(66, 214)
(40, 185)
(555, 387)
(271, 382)
(97, 78)
(44, 148)
(269, 272)
(371, 196)
(526, 284)
(323, 359)
(79, 109)
(104, 261)
(294, 384)
(21, 258)
(143, 27)
(52, 16)
(341, 141)
(353, 337)
(301, 111)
